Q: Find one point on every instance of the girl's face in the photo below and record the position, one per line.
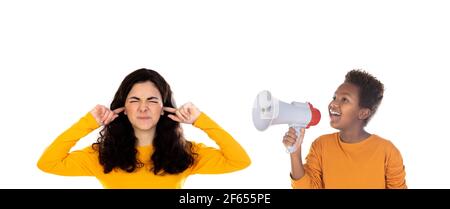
(344, 109)
(143, 106)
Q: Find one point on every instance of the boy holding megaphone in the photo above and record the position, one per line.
(352, 157)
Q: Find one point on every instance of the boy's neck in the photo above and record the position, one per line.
(353, 136)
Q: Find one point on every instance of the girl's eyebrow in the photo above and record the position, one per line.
(150, 98)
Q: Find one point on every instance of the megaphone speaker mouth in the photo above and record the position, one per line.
(267, 105)
(265, 109)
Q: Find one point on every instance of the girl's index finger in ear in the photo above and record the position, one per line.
(119, 110)
(174, 118)
(170, 109)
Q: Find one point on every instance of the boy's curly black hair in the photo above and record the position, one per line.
(370, 90)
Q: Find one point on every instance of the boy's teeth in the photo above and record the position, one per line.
(335, 113)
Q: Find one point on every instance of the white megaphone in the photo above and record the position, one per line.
(268, 110)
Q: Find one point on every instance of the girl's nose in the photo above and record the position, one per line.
(143, 107)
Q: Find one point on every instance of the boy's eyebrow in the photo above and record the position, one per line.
(344, 94)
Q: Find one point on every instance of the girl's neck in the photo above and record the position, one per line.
(144, 137)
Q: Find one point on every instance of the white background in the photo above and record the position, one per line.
(58, 59)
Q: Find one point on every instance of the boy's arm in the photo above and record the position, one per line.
(297, 169)
(395, 170)
(312, 172)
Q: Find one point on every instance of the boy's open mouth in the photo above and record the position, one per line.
(334, 115)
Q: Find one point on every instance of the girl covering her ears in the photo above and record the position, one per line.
(141, 143)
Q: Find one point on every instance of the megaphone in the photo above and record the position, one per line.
(268, 110)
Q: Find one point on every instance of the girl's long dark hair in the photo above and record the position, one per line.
(117, 143)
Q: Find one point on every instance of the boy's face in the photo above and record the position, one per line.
(344, 110)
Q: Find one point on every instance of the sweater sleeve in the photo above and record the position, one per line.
(56, 159)
(313, 171)
(228, 158)
(395, 170)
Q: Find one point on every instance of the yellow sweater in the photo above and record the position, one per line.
(372, 163)
(57, 160)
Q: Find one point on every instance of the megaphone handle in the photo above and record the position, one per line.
(291, 149)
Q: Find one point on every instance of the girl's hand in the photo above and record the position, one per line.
(104, 115)
(187, 113)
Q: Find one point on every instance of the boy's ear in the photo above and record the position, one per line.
(364, 113)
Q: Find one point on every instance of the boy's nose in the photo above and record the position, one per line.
(333, 105)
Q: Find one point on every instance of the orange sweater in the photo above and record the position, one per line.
(372, 163)
(57, 160)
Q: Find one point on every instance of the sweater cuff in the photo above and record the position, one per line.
(90, 121)
(202, 121)
(301, 183)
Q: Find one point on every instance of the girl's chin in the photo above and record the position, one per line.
(144, 127)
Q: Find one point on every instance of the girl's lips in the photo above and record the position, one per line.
(143, 118)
